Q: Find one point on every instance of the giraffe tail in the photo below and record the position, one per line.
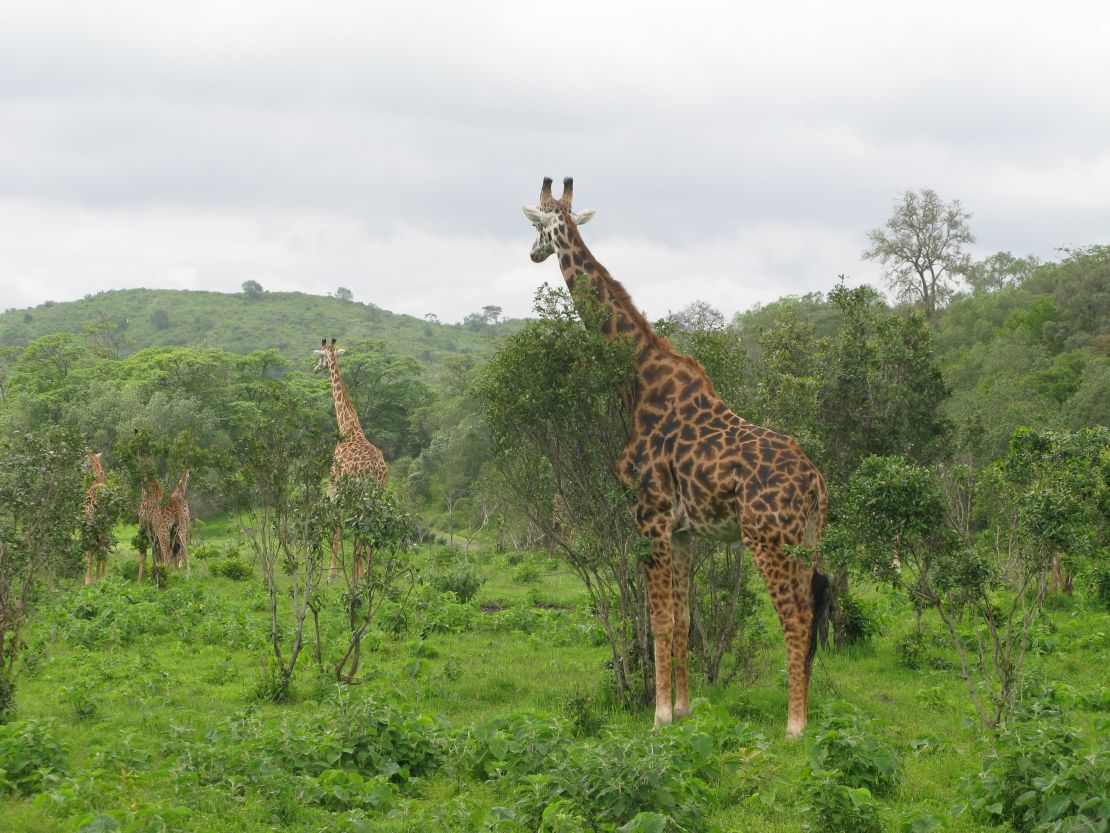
(819, 587)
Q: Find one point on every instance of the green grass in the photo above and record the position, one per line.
(129, 712)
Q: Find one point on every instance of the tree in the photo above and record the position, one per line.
(557, 424)
(283, 459)
(344, 294)
(1000, 270)
(921, 248)
(253, 289)
(41, 495)
(895, 518)
(371, 518)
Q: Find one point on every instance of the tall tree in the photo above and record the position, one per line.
(921, 248)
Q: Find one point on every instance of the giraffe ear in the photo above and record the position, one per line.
(319, 352)
(584, 216)
(341, 352)
(536, 216)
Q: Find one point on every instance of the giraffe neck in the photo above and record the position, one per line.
(98, 470)
(579, 265)
(345, 413)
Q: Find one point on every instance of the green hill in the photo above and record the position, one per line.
(290, 322)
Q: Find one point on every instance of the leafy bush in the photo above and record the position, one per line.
(836, 807)
(841, 741)
(396, 744)
(610, 780)
(858, 621)
(1046, 778)
(526, 574)
(1101, 590)
(921, 648)
(204, 552)
(338, 790)
(462, 579)
(29, 755)
(231, 568)
(514, 746)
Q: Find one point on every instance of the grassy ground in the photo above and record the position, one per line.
(151, 696)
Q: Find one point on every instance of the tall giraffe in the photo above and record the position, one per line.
(698, 468)
(99, 552)
(355, 456)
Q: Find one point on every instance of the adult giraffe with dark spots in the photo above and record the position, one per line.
(699, 469)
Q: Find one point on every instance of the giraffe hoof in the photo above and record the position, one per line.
(662, 719)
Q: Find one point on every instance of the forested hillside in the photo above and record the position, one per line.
(125, 321)
(489, 600)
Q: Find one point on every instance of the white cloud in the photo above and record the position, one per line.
(387, 146)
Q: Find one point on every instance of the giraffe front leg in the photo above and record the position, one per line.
(336, 543)
(88, 568)
(680, 582)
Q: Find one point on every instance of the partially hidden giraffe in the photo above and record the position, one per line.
(354, 456)
(98, 554)
(696, 468)
(165, 521)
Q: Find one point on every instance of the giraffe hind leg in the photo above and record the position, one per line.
(789, 584)
(680, 588)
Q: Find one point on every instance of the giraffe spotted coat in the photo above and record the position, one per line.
(697, 468)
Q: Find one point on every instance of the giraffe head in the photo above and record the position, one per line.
(325, 356)
(550, 217)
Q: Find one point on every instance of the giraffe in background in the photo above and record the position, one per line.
(165, 521)
(354, 456)
(696, 468)
(99, 552)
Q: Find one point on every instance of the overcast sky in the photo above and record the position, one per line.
(735, 152)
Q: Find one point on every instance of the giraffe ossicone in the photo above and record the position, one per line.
(697, 468)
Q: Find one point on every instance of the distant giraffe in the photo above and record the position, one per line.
(177, 507)
(355, 456)
(153, 522)
(698, 468)
(99, 552)
(165, 522)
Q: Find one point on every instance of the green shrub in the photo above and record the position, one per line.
(609, 781)
(204, 552)
(338, 790)
(835, 807)
(29, 755)
(272, 685)
(462, 579)
(841, 741)
(231, 568)
(858, 621)
(1046, 778)
(1101, 588)
(920, 649)
(128, 569)
(515, 746)
(526, 574)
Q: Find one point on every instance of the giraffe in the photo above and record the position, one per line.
(99, 554)
(696, 468)
(355, 456)
(165, 521)
(153, 522)
(177, 507)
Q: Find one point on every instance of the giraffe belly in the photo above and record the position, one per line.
(720, 525)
